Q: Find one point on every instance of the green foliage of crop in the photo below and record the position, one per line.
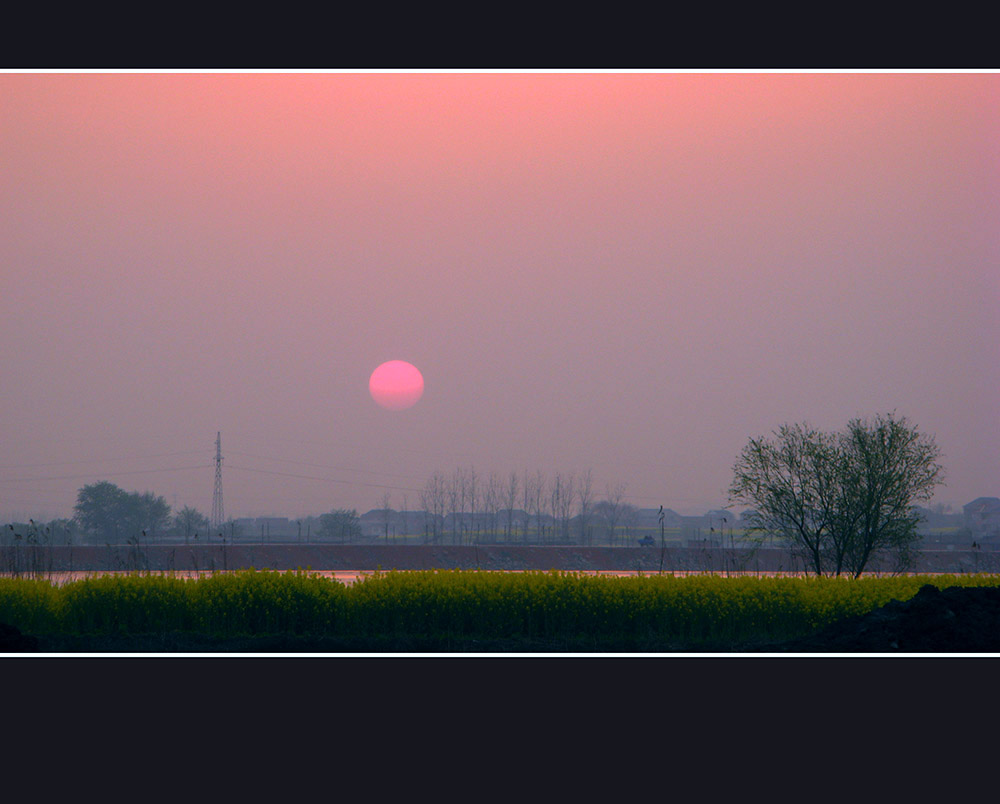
(30, 604)
(697, 609)
(223, 604)
(267, 602)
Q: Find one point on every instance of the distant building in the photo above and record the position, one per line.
(719, 520)
(650, 518)
(265, 527)
(937, 523)
(982, 517)
(400, 523)
(375, 522)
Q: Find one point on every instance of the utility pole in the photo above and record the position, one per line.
(218, 515)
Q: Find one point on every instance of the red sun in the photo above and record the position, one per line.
(396, 385)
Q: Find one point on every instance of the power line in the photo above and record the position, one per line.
(325, 479)
(372, 446)
(108, 473)
(322, 466)
(100, 460)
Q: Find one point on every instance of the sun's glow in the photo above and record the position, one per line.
(396, 385)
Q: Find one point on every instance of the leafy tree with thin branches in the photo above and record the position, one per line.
(839, 499)
(886, 465)
(106, 511)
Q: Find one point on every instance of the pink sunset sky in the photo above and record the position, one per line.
(631, 273)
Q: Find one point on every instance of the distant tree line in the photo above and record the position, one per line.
(466, 507)
(461, 508)
(107, 514)
(839, 499)
(340, 525)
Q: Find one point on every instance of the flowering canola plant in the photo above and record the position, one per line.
(456, 603)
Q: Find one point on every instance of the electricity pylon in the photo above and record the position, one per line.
(218, 515)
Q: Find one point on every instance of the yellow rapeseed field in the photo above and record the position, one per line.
(455, 603)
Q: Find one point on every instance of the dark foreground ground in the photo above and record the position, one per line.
(951, 620)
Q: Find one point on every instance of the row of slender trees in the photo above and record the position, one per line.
(465, 507)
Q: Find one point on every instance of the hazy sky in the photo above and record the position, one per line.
(628, 273)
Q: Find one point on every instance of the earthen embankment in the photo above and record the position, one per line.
(167, 557)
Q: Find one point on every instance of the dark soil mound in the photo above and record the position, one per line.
(953, 620)
(13, 641)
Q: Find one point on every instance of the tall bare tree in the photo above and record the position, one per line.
(629, 518)
(538, 503)
(456, 502)
(789, 480)
(386, 511)
(473, 496)
(611, 510)
(885, 466)
(491, 504)
(585, 495)
(555, 499)
(532, 489)
(509, 501)
(190, 520)
(433, 498)
(563, 492)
